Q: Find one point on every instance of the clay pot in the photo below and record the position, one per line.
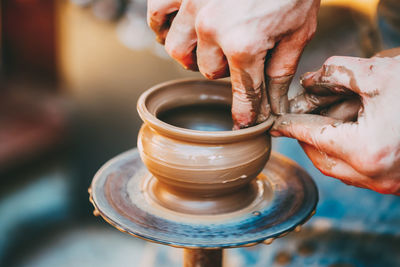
(192, 162)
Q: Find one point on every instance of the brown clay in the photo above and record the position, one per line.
(199, 171)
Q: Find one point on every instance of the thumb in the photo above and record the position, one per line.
(326, 134)
(344, 75)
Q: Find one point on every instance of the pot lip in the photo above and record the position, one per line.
(195, 135)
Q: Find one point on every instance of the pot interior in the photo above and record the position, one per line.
(200, 117)
(195, 111)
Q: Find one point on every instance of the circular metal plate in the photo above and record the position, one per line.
(286, 197)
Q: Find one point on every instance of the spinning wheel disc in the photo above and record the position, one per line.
(286, 197)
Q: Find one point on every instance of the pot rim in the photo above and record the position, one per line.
(195, 135)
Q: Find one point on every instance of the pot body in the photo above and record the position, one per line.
(203, 168)
(203, 163)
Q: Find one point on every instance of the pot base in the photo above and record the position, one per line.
(126, 195)
(188, 203)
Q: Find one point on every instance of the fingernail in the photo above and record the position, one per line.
(307, 75)
(275, 133)
(307, 78)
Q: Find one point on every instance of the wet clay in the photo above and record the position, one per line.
(200, 165)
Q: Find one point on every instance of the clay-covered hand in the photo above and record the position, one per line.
(364, 152)
(222, 37)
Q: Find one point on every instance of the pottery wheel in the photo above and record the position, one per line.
(286, 198)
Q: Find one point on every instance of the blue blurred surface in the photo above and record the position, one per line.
(345, 207)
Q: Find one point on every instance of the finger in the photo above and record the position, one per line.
(181, 39)
(346, 111)
(281, 67)
(313, 88)
(306, 103)
(339, 169)
(246, 96)
(343, 75)
(325, 134)
(160, 15)
(247, 75)
(334, 167)
(211, 60)
(278, 88)
(246, 58)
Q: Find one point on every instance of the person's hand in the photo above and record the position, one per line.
(364, 152)
(222, 37)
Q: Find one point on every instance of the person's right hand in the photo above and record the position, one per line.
(233, 37)
(364, 153)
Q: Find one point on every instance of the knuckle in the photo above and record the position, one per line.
(182, 53)
(205, 26)
(307, 32)
(175, 50)
(153, 13)
(240, 50)
(154, 10)
(239, 53)
(172, 49)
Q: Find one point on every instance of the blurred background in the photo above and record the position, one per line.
(70, 75)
